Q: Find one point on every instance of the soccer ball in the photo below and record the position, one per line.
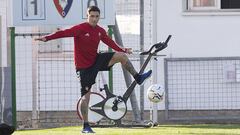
(155, 93)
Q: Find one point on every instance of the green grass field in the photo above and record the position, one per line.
(203, 129)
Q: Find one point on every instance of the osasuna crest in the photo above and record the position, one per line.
(63, 6)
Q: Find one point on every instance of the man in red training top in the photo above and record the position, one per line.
(88, 61)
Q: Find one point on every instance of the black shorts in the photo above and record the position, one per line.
(88, 76)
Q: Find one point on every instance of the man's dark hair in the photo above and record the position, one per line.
(93, 8)
(6, 129)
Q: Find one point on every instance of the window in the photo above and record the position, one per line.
(218, 5)
(230, 4)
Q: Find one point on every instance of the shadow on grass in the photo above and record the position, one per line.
(205, 126)
(209, 134)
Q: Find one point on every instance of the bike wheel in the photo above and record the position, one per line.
(93, 117)
(114, 112)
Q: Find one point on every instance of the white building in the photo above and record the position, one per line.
(200, 28)
(206, 41)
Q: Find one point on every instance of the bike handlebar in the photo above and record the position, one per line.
(158, 46)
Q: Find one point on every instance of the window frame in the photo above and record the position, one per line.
(203, 8)
(217, 8)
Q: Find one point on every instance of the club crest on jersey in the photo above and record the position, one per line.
(63, 6)
(87, 35)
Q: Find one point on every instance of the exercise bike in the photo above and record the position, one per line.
(112, 106)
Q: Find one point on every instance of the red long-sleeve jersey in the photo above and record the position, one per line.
(86, 42)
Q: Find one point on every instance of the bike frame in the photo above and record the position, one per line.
(114, 105)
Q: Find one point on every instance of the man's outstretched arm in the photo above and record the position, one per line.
(71, 32)
(109, 42)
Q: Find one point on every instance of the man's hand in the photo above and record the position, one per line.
(41, 39)
(128, 50)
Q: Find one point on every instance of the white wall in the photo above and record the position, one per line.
(197, 35)
(3, 37)
(193, 35)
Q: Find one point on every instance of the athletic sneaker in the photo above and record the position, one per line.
(88, 130)
(142, 77)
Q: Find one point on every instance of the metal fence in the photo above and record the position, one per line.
(202, 88)
(47, 89)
